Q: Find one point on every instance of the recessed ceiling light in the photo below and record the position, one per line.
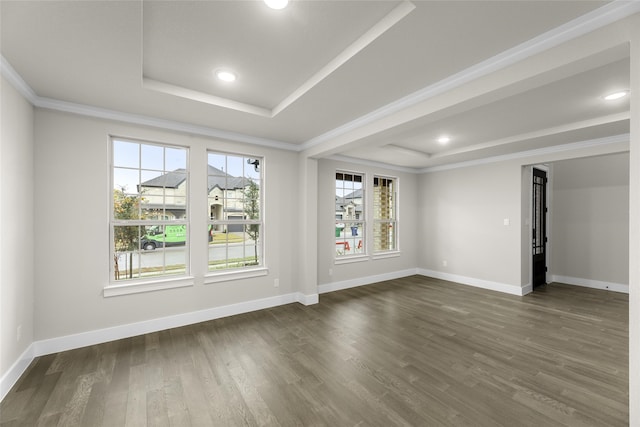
(226, 75)
(277, 4)
(444, 140)
(616, 95)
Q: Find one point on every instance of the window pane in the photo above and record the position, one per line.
(152, 157)
(235, 246)
(252, 168)
(235, 166)
(349, 214)
(142, 252)
(152, 194)
(126, 206)
(126, 180)
(126, 154)
(217, 164)
(349, 237)
(252, 251)
(175, 158)
(233, 198)
(126, 238)
(384, 236)
(251, 200)
(384, 212)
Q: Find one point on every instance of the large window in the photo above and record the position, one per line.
(235, 211)
(385, 221)
(350, 214)
(149, 227)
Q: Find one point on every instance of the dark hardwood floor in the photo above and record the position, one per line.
(414, 351)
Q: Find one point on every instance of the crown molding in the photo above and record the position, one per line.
(614, 11)
(616, 139)
(12, 76)
(372, 163)
(598, 18)
(9, 73)
(103, 113)
(568, 127)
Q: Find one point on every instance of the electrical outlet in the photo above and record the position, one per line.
(331, 272)
(444, 263)
(19, 333)
(276, 283)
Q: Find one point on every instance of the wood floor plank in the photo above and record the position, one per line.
(411, 351)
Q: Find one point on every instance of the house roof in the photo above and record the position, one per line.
(217, 178)
(341, 202)
(354, 195)
(171, 179)
(224, 181)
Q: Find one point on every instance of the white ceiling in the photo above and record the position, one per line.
(316, 68)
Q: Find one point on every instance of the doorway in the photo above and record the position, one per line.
(539, 228)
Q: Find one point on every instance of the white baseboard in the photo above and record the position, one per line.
(527, 289)
(360, 281)
(588, 283)
(307, 299)
(478, 283)
(12, 376)
(55, 345)
(69, 342)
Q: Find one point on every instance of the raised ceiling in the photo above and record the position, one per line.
(309, 72)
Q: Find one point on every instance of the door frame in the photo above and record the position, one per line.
(548, 198)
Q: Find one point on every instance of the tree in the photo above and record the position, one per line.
(252, 211)
(125, 238)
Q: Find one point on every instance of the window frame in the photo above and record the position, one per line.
(159, 281)
(393, 220)
(362, 246)
(247, 271)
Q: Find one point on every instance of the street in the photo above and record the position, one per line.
(176, 255)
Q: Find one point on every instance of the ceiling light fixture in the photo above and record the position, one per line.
(444, 140)
(616, 95)
(277, 4)
(226, 76)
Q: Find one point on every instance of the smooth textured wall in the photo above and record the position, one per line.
(72, 226)
(16, 233)
(590, 218)
(463, 213)
(368, 266)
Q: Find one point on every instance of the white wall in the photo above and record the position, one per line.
(348, 274)
(72, 211)
(462, 214)
(16, 233)
(590, 219)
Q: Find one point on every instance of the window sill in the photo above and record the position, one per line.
(147, 286)
(351, 259)
(390, 254)
(235, 275)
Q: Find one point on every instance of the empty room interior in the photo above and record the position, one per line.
(320, 213)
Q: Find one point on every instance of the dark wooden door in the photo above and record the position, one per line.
(539, 223)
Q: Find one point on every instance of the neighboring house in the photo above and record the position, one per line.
(226, 194)
(349, 206)
(168, 191)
